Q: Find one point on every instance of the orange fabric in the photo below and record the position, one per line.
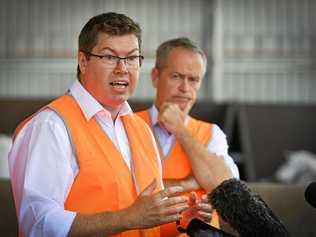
(177, 165)
(104, 182)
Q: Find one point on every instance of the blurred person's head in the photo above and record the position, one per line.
(109, 57)
(179, 69)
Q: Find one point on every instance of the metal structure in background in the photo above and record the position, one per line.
(41, 37)
(265, 51)
(259, 51)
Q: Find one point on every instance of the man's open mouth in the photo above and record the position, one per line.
(119, 84)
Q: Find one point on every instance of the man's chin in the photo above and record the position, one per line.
(122, 97)
(116, 101)
(185, 108)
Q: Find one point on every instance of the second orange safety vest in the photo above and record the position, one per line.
(176, 164)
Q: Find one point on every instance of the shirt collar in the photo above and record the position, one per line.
(89, 105)
(153, 112)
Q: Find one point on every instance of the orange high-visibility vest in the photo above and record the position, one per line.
(177, 165)
(104, 182)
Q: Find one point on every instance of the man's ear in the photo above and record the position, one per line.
(82, 61)
(154, 77)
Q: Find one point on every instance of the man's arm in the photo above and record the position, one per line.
(42, 170)
(208, 169)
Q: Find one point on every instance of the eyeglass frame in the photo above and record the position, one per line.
(118, 59)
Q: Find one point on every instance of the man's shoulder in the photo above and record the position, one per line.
(200, 122)
(46, 116)
(200, 125)
(44, 119)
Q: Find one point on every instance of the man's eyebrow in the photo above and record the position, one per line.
(185, 75)
(113, 51)
(178, 73)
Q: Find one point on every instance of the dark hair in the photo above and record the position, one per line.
(164, 49)
(111, 23)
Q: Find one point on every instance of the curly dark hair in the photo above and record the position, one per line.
(245, 211)
(111, 23)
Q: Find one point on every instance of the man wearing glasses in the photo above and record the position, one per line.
(85, 164)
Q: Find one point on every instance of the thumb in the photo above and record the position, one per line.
(149, 189)
(204, 198)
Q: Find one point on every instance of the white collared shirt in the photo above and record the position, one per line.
(217, 144)
(43, 166)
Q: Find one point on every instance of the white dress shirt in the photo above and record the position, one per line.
(217, 143)
(43, 166)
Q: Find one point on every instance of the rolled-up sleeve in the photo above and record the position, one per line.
(42, 170)
(218, 145)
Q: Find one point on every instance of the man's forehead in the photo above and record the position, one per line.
(117, 43)
(105, 37)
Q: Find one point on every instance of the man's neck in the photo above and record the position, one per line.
(114, 111)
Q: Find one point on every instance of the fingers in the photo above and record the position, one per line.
(204, 198)
(174, 201)
(207, 217)
(172, 209)
(204, 211)
(171, 218)
(170, 192)
(149, 189)
(169, 197)
(168, 109)
(193, 198)
(205, 207)
(177, 209)
(170, 204)
(166, 105)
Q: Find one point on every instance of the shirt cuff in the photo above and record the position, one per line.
(56, 223)
(59, 223)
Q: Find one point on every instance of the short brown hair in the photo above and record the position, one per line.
(111, 23)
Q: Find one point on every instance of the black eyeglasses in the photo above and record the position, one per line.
(133, 61)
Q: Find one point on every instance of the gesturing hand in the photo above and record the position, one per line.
(150, 209)
(199, 208)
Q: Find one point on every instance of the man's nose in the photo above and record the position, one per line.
(121, 66)
(185, 86)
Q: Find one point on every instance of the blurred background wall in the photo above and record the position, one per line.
(259, 51)
(260, 86)
(39, 38)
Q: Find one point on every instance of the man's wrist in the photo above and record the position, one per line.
(126, 219)
(181, 133)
